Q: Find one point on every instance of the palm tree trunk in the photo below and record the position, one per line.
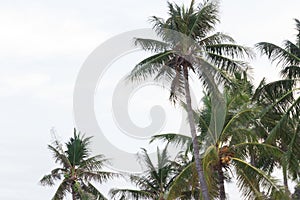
(221, 182)
(285, 180)
(73, 192)
(198, 161)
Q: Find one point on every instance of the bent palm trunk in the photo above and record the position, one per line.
(198, 161)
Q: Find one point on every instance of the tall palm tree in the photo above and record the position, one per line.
(232, 147)
(285, 132)
(77, 171)
(153, 183)
(213, 53)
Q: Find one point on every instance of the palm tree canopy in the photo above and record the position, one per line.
(188, 40)
(78, 170)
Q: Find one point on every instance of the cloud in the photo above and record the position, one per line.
(36, 85)
(16, 84)
(25, 34)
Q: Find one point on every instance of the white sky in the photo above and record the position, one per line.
(43, 45)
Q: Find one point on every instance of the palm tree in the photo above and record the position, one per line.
(285, 131)
(279, 126)
(231, 149)
(77, 171)
(153, 183)
(211, 57)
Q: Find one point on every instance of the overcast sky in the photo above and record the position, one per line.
(43, 45)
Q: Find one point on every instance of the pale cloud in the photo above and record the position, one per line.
(39, 33)
(16, 84)
(36, 85)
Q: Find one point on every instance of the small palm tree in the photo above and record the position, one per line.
(153, 183)
(77, 171)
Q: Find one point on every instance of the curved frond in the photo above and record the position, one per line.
(292, 71)
(173, 138)
(60, 157)
(61, 191)
(47, 180)
(124, 194)
(93, 163)
(203, 20)
(151, 45)
(217, 38)
(91, 189)
(98, 176)
(149, 67)
(277, 54)
(230, 50)
(249, 179)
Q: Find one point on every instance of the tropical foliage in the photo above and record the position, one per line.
(77, 171)
(154, 182)
(253, 132)
(283, 119)
(230, 151)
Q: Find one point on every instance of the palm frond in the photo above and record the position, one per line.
(93, 163)
(91, 189)
(124, 194)
(203, 20)
(47, 180)
(249, 178)
(223, 63)
(151, 45)
(217, 38)
(292, 48)
(148, 67)
(77, 149)
(173, 138)
(99, 176)
(289, 72)
(61, 191)
(184, 181)
(291, 111)
(230, 50)
(210, 75)
(60, 157)
(277, 54)
(162, 158)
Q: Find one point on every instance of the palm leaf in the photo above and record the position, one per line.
(149, 66)
(278, 54)
(60, 157)
(151, 45)
(61, 191)
(230, 50)
(249, 176)
(123, 194)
